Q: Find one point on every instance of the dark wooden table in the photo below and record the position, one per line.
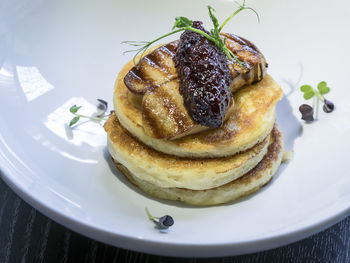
(26, 235)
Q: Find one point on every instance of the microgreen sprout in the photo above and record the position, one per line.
(308, 93)
(161, 223)
(183, 23)
(101, 106)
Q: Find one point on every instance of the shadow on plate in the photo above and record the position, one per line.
(122, 179)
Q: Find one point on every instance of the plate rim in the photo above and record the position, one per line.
(167, 248)
(11, 172)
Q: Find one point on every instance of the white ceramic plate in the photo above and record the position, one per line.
(57, 53)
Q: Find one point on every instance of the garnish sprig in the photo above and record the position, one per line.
(308, 93)
(241, 7)
(183, 23)
(161, 223)
(102, 106)
(144, 45)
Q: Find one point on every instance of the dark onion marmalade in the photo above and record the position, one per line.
(204, 77)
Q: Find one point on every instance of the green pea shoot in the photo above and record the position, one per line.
(184, 23)
(309, 92)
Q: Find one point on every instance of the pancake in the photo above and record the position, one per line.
(252, 120)
(163, 170)
(249, 183)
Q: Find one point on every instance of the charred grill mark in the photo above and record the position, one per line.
(153, 60)
(154, 63)
(131, 76)
(261, 70)
(134, 74)
(162, 60)
(149, 120)
(136, 81)
(243, 42)
(154, 69)
(252, 58)
(171, 48)
(168, 118)
(180, 119)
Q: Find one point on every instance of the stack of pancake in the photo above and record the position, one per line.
(157, 146)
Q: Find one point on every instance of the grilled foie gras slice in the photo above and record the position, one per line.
(253, 61)
(164, 114)
(154, 81)
(157, 67)
(153, 70)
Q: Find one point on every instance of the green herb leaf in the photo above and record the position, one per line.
(181, 22)
(241, 7)
(215, 31)
(97, 117)
(324, 90)
(322, 87)
(309, 94)
(306, 88)
(212, 17)
(74, 108)
(74, 121)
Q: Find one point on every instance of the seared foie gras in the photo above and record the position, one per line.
(157, 67)
(153, 70)
(164, 115)
(252, 59)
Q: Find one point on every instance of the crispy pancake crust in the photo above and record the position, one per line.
(249, 183)
(251, 121)
(164, 170)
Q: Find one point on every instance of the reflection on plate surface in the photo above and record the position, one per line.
(32, 82)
